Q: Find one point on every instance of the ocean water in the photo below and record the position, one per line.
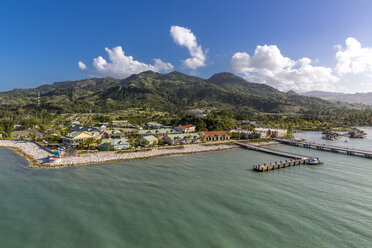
(199, 200)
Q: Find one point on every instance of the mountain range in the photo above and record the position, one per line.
(361, 98)
(173, 92)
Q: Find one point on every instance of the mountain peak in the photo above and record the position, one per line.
(225, 76)
(291, 92)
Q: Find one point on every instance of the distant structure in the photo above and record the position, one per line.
(38, 98)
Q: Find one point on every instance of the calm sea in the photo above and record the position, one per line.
(201, 200)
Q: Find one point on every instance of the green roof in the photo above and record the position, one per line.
(183, 135)
(156, 131)
(150, 138)
(114, 142)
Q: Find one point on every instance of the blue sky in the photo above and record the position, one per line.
(43, 41)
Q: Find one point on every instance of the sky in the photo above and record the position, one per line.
(289, 44)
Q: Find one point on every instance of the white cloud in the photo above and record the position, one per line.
(82, 66)
(122, 66)
(268, 65)
(354, 58)
(184, 37)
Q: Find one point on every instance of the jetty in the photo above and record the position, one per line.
(281, 164)
(327, 148)
(294, 161)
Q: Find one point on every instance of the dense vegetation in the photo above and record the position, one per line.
(173, 92)
(168, 98)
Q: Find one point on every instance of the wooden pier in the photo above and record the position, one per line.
(270, 151)
(328, 148)
(281, 164)
(295, 158)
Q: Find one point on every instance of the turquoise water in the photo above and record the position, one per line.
(199, 200)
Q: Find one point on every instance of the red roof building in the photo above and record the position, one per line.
(215, 135)
(186, 128)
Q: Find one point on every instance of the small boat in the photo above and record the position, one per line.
(314, 161)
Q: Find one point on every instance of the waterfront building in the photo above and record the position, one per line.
(183, 138)
(74, 138)
(148, 140)
(215, 135)
(271, 132)
(156, 132)
(114, 144)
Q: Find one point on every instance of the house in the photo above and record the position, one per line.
(120, 123)
(82, 128)
(114, 144)
(17, 127)
(148, 140)
(112, 134)
(215, 135)
(102, 128)
(156, 132)
(74, 138)
(186, 128)
(271, 133)
(154, 125)
(183, 138)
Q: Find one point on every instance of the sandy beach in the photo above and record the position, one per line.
(40, 155)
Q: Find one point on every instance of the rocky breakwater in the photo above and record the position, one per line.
(156, 152)
(29, 149)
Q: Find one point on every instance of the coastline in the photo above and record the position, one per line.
(38, 157)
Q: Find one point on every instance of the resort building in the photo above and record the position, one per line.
(215, 135)
(154, 125)
(148, 140)
(186, 128)
(74, 138)
(241, 134)
(271, 133)
(156, 132)
(112, 134)
(114, 144)
(82, 128)
(102, 128)
(120, 123)
(183, 138)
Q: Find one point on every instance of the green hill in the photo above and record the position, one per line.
(173, 92)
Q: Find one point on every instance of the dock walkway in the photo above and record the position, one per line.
(328, 148)
(270, 151)
(295, 158)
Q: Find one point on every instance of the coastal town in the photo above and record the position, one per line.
(78, 141)
(119, 139)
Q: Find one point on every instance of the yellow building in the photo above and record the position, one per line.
(74, 138)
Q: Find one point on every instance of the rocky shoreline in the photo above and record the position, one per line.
(39, 157)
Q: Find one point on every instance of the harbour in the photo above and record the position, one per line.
(190, 200)
(328, 148)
